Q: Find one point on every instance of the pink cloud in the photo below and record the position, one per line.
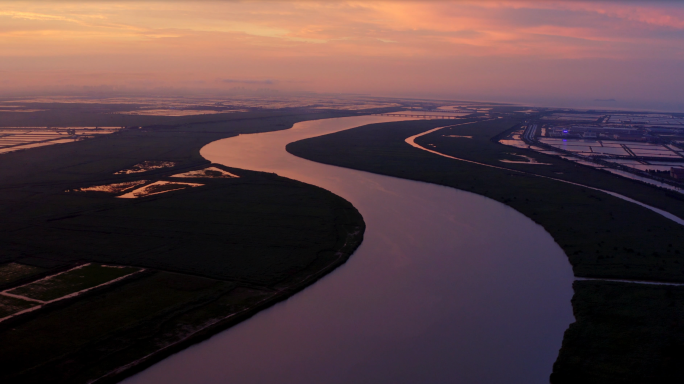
(345, 45)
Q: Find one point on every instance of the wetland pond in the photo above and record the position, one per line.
(447, 287)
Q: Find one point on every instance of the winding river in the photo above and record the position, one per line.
(447, 287)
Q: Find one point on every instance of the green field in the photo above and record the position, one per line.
(214, 254)
(625, 333)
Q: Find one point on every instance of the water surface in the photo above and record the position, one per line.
(447, 287)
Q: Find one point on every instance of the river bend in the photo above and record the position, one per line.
(447, 287)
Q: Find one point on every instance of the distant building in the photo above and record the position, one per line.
(677, 173)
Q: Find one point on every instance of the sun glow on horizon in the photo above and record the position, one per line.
(504, 48)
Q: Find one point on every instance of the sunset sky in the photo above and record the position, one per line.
(527, 51)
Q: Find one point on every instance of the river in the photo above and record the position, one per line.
(447, 287)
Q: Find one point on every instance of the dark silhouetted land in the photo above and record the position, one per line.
(204, 258)
(603, 236)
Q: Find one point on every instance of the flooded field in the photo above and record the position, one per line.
(112, 188)
(207, 173)
(157, 188)
(572, 116)
(515, 141)
(186, 106)
(410, 113)
(19, 138)
(146, 166)
(470, 108)
(525, 160)
(177, 112)
(633, 159)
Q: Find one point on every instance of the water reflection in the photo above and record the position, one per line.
(448, 287)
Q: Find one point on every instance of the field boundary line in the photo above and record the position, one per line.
(279, 292)
(69, 296)
(4, 293)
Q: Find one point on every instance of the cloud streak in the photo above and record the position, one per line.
(442, 47)
(250, 82)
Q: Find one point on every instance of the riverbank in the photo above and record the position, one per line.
(214, 255)
(624, 333)
(446, 285)
(601, 235)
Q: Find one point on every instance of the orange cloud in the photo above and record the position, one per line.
(340, 45)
